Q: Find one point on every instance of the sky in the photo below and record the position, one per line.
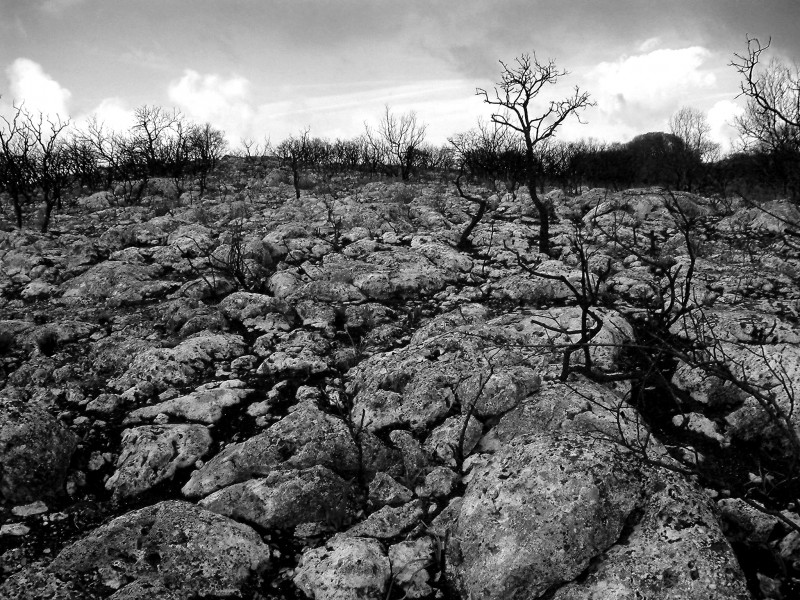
(270, 68)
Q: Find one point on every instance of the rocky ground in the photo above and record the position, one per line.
(254, 396)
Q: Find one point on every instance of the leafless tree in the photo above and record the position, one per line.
(152, 128)
(771, 120)
(489, 154)
(83, 162)
(33, 161)
(691, 126)
(119, 155)
(294, 151)
(50, 161)
(16, 173)
(773, 92)
(400, 138)
(207, 145)
(520, 85)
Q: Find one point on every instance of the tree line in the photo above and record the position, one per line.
(41, 157)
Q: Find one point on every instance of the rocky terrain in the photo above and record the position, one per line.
(253, 396)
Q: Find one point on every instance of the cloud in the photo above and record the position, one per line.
(329, 110)
(650, 44)
(638, 93)
(38, 90)
(114, 114)
(720, 118)
(222, 102)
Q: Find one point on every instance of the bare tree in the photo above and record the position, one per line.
(33, 161)
(488, 153)
(83, 162)
(152, 127)
(691, 126)
(772, 91)
(207, 145)
(16, 174)
(519, 86)
(294, 150)
(50, 165)
(771, 120)
(400, 137)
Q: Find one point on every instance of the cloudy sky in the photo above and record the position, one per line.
(271, 67)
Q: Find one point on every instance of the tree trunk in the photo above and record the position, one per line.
(48, 209)
(464, 241)
(541, 207)
(17, 211)
(296, 177)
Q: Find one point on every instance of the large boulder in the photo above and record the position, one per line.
(303, 439)
(557, 328)
(257, 312)
(201, 406)
(194, 240)
(537, 514)
(173, 547)
(674, 548)
(182, 365)
(284, 499)
(118, 283)
(530, 289)
(152, 454)
(345, 569)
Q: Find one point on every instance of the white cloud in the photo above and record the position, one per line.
(112, 113)
(637, 93)
(36, 89)
(720, 119)
(227, 103)
(649, 44)
(222, 102)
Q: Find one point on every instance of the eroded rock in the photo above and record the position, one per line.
(538, 513)
(285, 499)
(152, 454)
(172, 545)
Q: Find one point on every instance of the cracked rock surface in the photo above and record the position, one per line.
(261, 397)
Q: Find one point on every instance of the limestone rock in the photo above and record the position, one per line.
(389, 521)
(183, 364)
(674, 549)
(118, 283)
(385, 491)
(193, 240)
(284, 499)
(442, 445)
(345, 569)
(439, 483)
(304, 438)
(154, 453)
(410, 561)
(531, 290)
(538, 513)
(201, 406)
(172, 545)
(257, 312)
